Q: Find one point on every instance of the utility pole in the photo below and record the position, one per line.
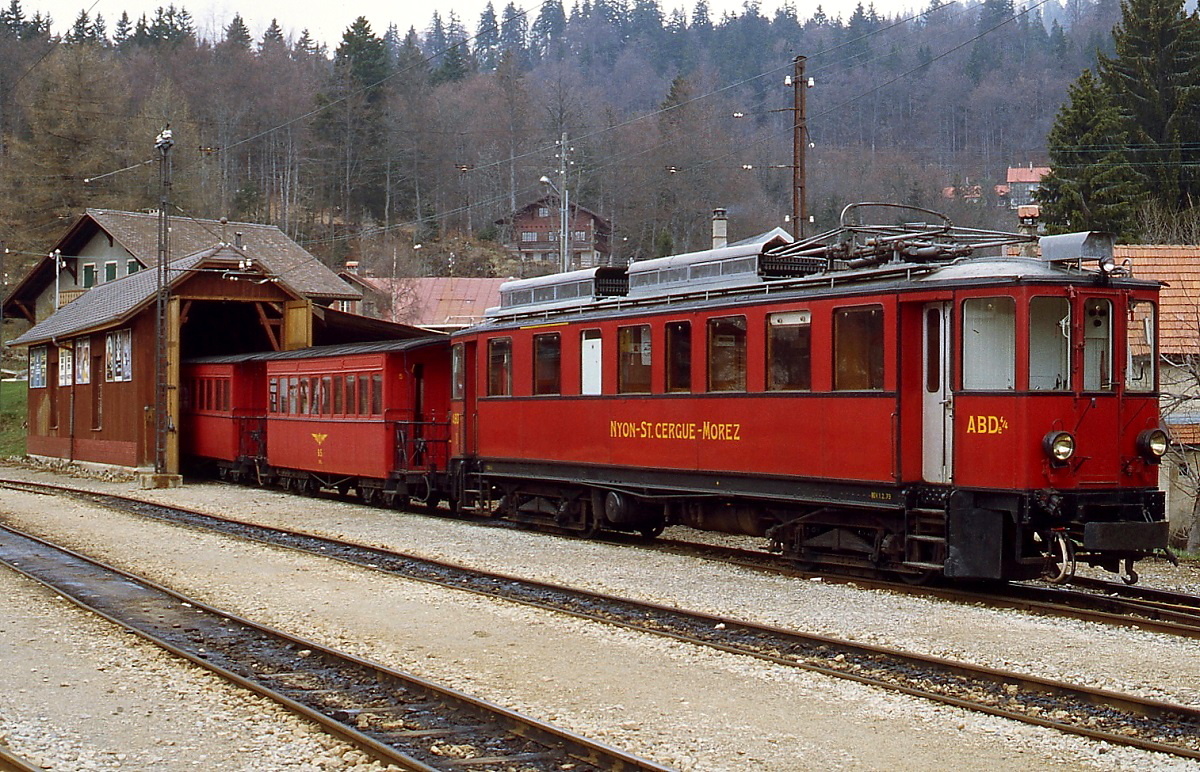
(799, 146)
(163, 143)
(565, 211)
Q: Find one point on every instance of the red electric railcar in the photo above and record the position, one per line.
(871, 397)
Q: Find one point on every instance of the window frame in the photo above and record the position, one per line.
(739, 349)
(870, 358)
(547, 376)
(633, 376)
(798, 319)
(500, 372)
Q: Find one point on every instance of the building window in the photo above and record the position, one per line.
(37, 367)
(789, 351)
(679, 356)
(633, 359)
(989, 343)
(66, 366)
(110, 270)
(858, 349)
(132, 266)
(83, 360)
(727, 353)
(89, 275)
(543, 212)
(1049, 344)
(118, 356)
(547, 363)
(1141, 363)
(529, 236)
(500, 367)
(581, 235)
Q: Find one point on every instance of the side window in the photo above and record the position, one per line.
(326, 394)
(273, 396)
(789, 351)
(1097, 345)
(377, 394)
(293, 396)
(989, 343)
(679, 356)
(500, 367)
(591, 362)
(727, 353)
(858, 349)
(633, 359)
(314, 395)
(1049, 344)
(364, 394)
(338, 390)
(1141, 362)
(351, 391)
(547, 363)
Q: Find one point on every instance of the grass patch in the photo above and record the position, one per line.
(12, 418)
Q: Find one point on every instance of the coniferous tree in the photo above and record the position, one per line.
(1091, 185)
(487, 40)
(272, 39)
(123, 30)
(1154, 78)
(237, 35)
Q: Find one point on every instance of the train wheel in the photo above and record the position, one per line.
(652, 531)
(286, 483)
(368, 495)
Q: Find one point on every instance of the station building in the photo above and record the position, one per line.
(94, 343)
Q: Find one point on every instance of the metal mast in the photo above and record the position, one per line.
(163, 143)
(799, 146)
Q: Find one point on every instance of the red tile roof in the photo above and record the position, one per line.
(1179, 304)
(1027, 173)
(438, 302)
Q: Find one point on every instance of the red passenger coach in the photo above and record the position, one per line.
(369, 416)
(876, 397)
(223, 415)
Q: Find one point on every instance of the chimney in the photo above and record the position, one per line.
(237, 239)
(720, 229)
(352, 267)
(1028, 218)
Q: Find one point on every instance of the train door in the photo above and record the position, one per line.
(591, 360)
(463, 439)
(937, 405)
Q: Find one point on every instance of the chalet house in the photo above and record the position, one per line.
(1021, 183)
(531, 235)
(93, 363)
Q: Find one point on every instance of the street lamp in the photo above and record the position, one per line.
(564, 254)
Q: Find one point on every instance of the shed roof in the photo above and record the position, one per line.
(438, 302)
(114, 302)
(137, 232)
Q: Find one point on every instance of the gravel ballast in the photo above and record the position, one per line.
(678, 704)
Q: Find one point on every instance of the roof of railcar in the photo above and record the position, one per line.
(317, 352)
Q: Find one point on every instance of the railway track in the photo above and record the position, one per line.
(1087, 599)
(1098, 714)
(395, 717)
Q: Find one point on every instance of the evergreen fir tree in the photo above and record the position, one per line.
(237, 35)
(1154, 78)
(272, 39)
(123, 30)
(1091, 185)
(487, 40)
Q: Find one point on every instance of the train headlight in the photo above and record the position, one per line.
(1059, 446)
(1152, 445)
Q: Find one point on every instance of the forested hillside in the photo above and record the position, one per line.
(394, 137)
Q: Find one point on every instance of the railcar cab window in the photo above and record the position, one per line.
(858, 349)
(1141, 362)
(679, 356)
(633, 359)
(500, 367)
(989, 344)
(789, 351)
(1049, 344)
(727, 353)
(339, 391)
(351, 392)
(547, 363)
(1097, 345)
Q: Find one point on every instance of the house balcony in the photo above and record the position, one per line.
(66, 296)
